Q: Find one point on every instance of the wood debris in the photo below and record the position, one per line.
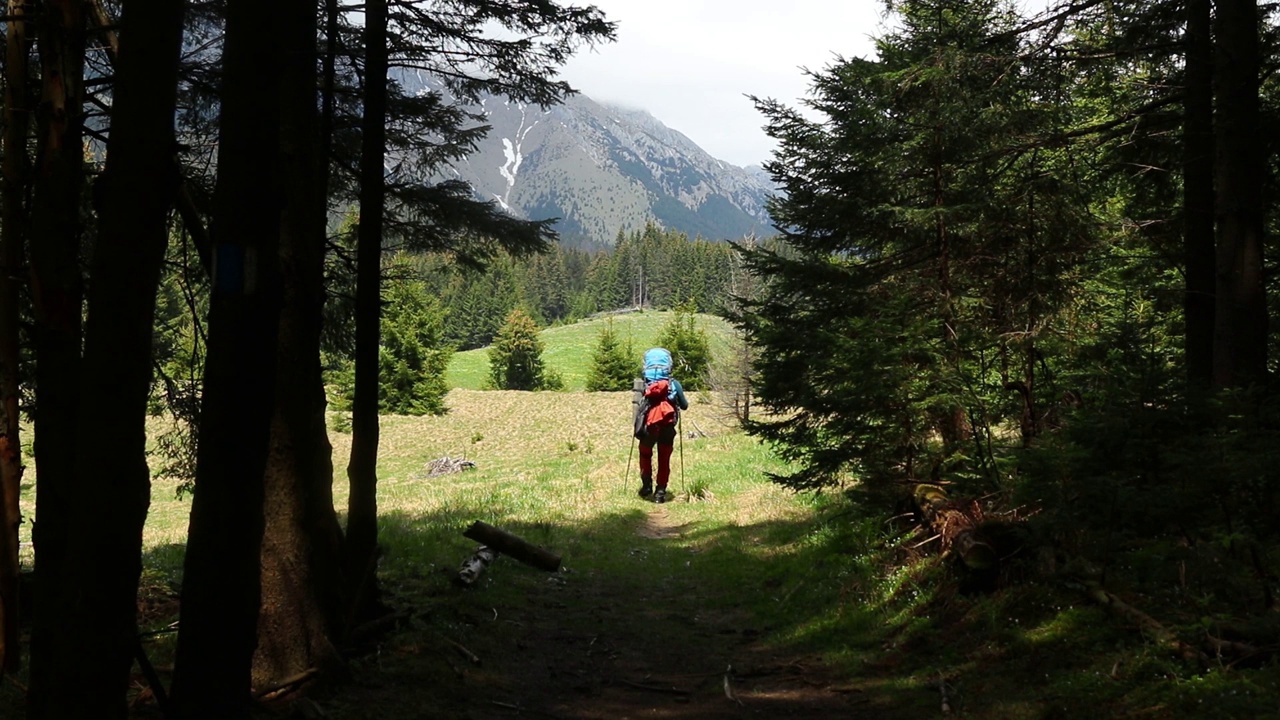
(474, 565)
(447, 465)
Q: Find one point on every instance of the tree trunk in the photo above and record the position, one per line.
(54, 244)
(16, 121)
(94, 642)
(301, 546)
(221, 577)
(1240, 333)
(957, 528)
(1197, 198)
(513, 545)
(362, 507)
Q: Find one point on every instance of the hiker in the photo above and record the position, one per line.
(658, 405)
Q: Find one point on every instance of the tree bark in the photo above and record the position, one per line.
(362, 506)
(54, 243)
(1240, 332)
(957, 528)
(513, 545)
(1197, 198)
(16, 121)
(94, 642)
(302, 604)
(221, 583)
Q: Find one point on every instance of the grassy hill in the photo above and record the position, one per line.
(569, 347)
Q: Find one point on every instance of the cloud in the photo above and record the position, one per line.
(691, 63)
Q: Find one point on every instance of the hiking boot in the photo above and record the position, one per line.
(646, 487)
(660, 496)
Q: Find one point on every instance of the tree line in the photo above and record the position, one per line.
(1033, 258)
(653, 268)
(191, 155)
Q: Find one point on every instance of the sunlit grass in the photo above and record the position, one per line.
(560, 470)
(569, 347)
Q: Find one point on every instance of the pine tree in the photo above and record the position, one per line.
(612, 363)
(927, 250)
(413, 356)
(689, 346)
(515, 359)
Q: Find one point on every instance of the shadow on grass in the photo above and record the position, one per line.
(650, 610)
(812, 614)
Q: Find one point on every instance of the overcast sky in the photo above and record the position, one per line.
(691, 63)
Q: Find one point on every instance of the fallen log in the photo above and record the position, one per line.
(957, 529)
(515, 546)
(473, 566)
(1164, 637)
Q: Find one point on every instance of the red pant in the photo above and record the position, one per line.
(665, 440)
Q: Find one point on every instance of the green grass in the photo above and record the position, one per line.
(810, 574)
(569, 347)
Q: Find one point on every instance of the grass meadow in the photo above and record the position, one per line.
(569, 347)
(801, 573)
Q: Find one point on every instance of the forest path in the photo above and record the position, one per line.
(589, 646)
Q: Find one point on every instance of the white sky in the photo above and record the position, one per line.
(691, 63)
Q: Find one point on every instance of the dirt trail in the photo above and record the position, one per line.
(610, 655)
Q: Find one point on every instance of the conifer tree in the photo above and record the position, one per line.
(413, 356)
(515, 360)
(613, 364)
(689, 346)
(908, 202)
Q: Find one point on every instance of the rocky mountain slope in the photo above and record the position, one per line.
(602, 168)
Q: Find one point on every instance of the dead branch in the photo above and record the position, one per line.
(470, 656)
(1153, 628)
(728, 688)
(957, 527)
(286, 684)
(654, 688)
(946, 694)
(517, 708)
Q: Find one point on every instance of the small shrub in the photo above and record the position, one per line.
(613, 364)
(515, 359)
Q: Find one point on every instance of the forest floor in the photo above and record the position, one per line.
(588, 646)
(736, 599)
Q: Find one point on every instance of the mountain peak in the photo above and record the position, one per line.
(604, 167)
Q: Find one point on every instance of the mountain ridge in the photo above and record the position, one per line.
(602, 168)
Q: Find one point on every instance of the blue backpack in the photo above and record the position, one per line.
(654, 408)
(657, 364)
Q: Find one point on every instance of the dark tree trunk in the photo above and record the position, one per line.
(16, 121)
(221, 577)
(56, 291)
(1197, 194)
(362, 507)
(1240, 336)
(302, 541)
(93, 643)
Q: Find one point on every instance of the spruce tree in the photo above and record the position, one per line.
(926, 251)
(613, 365)
(515, 359)
(689, 346)
(413, 356)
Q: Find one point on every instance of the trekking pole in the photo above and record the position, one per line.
(630, 449)
(680, 429)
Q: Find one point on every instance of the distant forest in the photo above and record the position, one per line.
(651, 268)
